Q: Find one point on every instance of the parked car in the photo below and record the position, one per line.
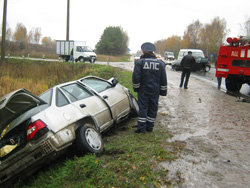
(176, 65)
(35, 130)
(202, 62)
(169, 55)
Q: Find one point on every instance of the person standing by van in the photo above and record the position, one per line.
(187, 63)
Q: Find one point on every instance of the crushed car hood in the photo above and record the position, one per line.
(15, 104)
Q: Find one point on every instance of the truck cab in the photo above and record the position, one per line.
(84, 53)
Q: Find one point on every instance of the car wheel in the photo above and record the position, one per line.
(134, 105)
(88, 139)
(207, 68)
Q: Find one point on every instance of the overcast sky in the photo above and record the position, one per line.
(143, 20)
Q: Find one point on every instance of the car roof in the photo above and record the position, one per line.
(77, 81)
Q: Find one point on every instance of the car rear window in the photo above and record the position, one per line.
(46, 96)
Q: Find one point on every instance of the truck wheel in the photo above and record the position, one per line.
(207, 68)
(81, 59)
(233, 85)
(92, 60)
(88, 139)
(66, 58)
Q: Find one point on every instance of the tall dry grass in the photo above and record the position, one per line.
(105, 58)
(38, 76)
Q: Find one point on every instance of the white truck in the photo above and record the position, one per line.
(75, 51)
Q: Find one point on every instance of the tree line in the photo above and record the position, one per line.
(115, 41)
(207, 37)
(22, 36)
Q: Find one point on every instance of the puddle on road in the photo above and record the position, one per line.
(216, 130)
(185, 136)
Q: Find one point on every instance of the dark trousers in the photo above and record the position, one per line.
(185, 73)
(148, 107)
(219, 82)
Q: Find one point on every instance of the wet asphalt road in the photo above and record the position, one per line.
(215, 128)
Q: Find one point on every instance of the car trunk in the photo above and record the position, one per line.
(16, 109)
(14, 140)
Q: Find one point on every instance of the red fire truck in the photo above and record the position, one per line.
(233, 63)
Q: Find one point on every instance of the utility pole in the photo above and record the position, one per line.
(67, 29)
(4, 31)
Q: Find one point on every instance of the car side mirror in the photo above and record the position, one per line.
(114, 82)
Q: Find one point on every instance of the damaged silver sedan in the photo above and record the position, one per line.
(35, 130)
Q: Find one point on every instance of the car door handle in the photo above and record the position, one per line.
(105, 97)
(82, 105)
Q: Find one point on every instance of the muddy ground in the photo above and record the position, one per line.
(215, 129)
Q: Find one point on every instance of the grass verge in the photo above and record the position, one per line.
(129, 159)
(38, 76)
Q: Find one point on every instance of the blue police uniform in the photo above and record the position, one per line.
(149, 81)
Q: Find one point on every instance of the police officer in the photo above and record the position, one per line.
(186, 64)
(149, 81)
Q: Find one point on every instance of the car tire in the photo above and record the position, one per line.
(134, 106)
(88, 139)
(207, 69)
(233, 85)
(66, 58)
(92, 60)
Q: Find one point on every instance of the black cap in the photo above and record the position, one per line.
(148, 47)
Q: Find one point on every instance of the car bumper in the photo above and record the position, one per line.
(33, 156)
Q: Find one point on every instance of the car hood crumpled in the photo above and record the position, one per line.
(15, 104)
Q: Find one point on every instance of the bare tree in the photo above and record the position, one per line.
(31, 36)
(174, 44)
(47, 41)
(37, 34)
(245, 29)
(20, 32)
(212, 35)
(20, 35)
(160, 46)
(8, 34)
(191, 35)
